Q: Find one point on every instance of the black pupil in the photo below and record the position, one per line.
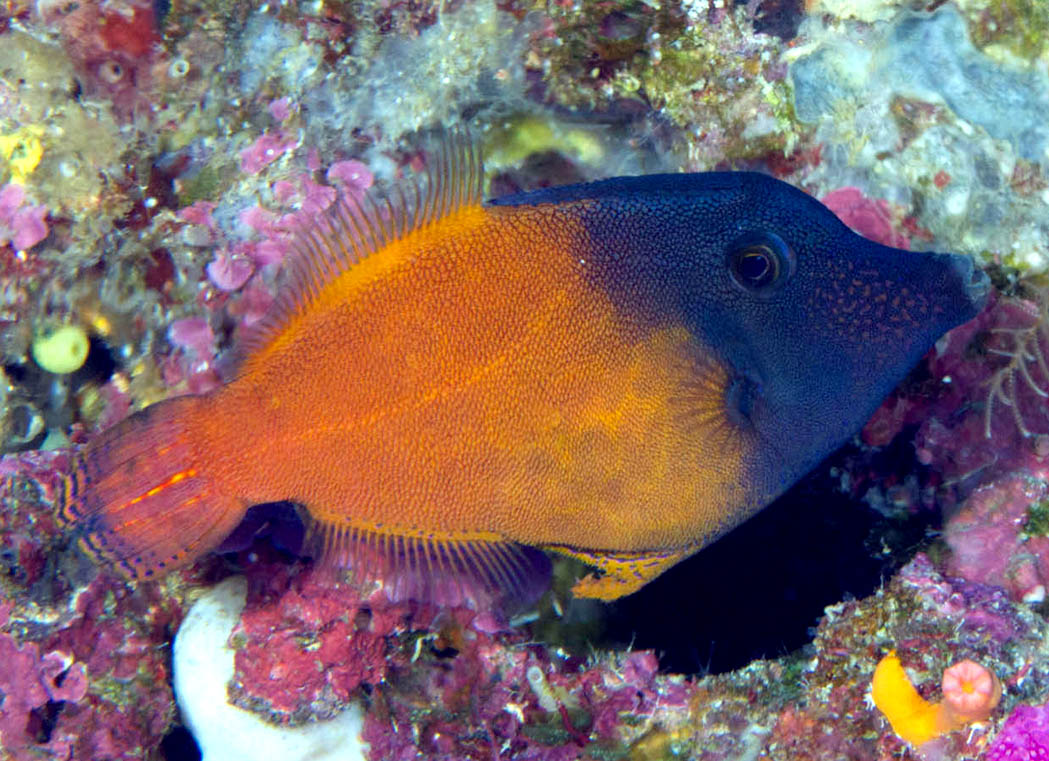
(755, 267)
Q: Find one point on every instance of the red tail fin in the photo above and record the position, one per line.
(140, 497)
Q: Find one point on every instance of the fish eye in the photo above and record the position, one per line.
(760, 262)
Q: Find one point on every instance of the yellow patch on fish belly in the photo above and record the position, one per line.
(622, 573)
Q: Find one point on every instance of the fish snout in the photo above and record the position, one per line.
(978, 284)
(973, 280)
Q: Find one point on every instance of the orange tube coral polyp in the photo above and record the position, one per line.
(971, 692)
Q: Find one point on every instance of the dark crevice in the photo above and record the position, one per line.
(179, 745)
(759, 591)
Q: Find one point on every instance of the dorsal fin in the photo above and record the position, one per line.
(356, 228)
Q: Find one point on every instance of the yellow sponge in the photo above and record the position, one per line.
(912, 717)
(62, 350)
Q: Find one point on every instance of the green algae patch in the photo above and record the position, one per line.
(1037, 519)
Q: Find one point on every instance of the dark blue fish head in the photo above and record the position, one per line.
(817, 323)
(814, 324)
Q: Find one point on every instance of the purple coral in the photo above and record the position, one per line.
(1024, 737)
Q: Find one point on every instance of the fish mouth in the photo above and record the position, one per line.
(973, 279)
(965, 279)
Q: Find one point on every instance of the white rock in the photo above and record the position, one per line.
(868, 11)
(203, 666)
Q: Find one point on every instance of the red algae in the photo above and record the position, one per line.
(872, 218)
(85, 674)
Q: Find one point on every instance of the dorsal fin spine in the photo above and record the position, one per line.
(417, 206)
(357, 227)
(392, 219)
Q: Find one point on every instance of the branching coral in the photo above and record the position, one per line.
(1026, 366)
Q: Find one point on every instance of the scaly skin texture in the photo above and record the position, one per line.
(524, 405)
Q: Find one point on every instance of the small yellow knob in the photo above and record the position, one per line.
(61, 350)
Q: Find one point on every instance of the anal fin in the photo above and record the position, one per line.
(621, 573)
(432, 567)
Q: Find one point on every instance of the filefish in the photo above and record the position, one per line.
(619, 371)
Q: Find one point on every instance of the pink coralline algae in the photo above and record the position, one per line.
(264, 151)
(21, 225)
(305, 647)
(195, 364)
(988, 538)
(85, 666)
(249, 245)
(194, 334)
(310, 197)
(353, 176)
(1024, 737)
(229, 271)
(280, 109)
(933, 622)
(441, 686)
(199, 213)
(28, 684)
(481, 696)
(873, 218)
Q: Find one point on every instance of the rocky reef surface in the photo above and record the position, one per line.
(157, 160)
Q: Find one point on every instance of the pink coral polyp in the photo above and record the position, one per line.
(23, 226)
(264, 151)
(970, 691)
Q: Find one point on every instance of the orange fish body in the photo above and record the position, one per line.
(444, 383)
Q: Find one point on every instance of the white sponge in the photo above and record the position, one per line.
(203, 666)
